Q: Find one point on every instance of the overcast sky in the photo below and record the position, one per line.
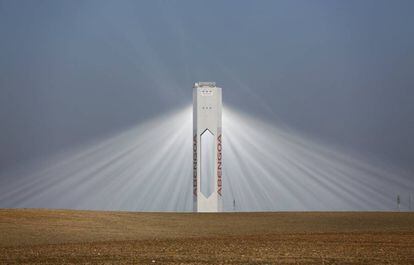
(339, 71)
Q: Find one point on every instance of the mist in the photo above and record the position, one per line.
(330, 75)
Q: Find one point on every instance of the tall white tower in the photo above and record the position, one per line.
(207, 148)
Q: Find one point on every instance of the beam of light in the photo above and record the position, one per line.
(149, 168)
(271, 167)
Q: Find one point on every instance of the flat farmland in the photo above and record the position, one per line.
(41, 236)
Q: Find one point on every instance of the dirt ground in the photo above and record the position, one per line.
(37, 236)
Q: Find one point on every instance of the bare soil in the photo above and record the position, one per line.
(38, 236)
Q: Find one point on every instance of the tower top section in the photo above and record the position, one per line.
(201, 84)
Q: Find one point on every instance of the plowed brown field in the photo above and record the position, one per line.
(38, 236)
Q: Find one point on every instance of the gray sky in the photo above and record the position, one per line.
(341, 71)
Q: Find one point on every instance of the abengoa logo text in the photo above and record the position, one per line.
(219, 165)
(195, 165)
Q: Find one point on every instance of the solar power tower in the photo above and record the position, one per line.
(207, 148)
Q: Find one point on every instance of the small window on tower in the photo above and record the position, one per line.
(207, 163)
